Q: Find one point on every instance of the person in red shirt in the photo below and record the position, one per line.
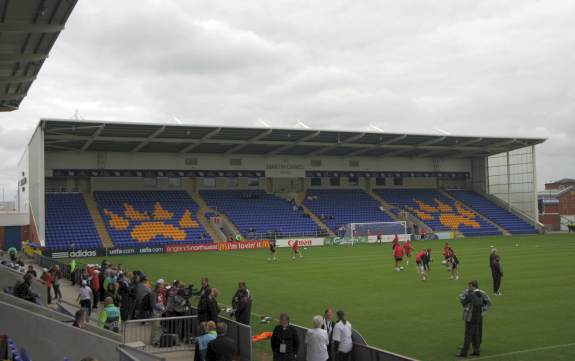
(95, 286)
(446, 256)
(407, 248)
(395, 242)
(296, 251)
(398, 255)
(419, 263)
(47, 278)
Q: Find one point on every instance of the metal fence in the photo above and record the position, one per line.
(147, 335)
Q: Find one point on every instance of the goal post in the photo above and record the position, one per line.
(368, 232)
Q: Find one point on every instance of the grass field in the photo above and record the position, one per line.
(533, 320)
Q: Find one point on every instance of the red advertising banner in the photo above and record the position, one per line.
(221, 246)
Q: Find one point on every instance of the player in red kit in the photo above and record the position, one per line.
(446, 256)
(419, 263)
(398, 255)
(296, 251)
(407, 248)
(395, 242)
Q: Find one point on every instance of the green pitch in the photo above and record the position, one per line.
(534, 320)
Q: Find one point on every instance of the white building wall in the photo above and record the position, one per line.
(22, 198)
(36, 181)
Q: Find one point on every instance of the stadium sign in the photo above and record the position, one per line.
(80, 253)
(389, 238)
(303, 242)
(181, 248)
(238, 246)
(133, 251)
(219, 247)
(285, 169)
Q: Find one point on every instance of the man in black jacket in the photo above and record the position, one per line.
(284, 341)
(496, 272)
(242, 304)
(222, 348)
(475, 302)
(23, 289)
(208, 309)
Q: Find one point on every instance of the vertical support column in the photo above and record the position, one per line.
(534, 183)
(508, 180)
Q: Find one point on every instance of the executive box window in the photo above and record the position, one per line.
(334, 181)
(316, 182)
(353, 181)
(379, 181)
(397, 181)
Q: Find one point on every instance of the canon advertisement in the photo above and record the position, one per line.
(303, 242)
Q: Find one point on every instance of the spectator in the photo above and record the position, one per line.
(204, 290)
(207, 333)
(95, 286)
(47, 278)
(85, 297)
(342, 337)
(32, 271)
(496, 272)
(110, 316)
(79, 319)
(127, 295)
(213, 310)
(328, 325)
(475, 303)
(73, 271)
(23, 290)
(317, 341)
(56, 277)
(242, 304)
(141, 308)
(284, 341)
(157, 297)
(222, 348)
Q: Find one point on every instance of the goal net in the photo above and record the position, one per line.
(370, 232)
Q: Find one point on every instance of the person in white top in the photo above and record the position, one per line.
(316, 340)
(342, 338)
(85, 298)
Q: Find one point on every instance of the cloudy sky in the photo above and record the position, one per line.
(490, 67)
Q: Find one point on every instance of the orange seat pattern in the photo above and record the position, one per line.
(187, 221)
(425, 207)
(160, 213)
(443, 207)
(446, 214)
(133, 214)
(116, 221)
(146, 228)
(146, 231)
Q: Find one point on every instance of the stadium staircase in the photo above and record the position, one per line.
(501, 229)
(98, 221)
(299, 200)
(386, 206)
(202, 210)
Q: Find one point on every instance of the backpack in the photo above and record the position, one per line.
(147, 302)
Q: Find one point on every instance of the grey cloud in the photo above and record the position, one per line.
(489, 68)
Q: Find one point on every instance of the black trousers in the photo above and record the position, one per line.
(49, 295)
(87, 306)
(472, 338)
(496, 281)
(343, 356)
(283, 356)
(57, 292)
(96, 294)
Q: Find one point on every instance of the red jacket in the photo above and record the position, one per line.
(47, 277)
(398, 251)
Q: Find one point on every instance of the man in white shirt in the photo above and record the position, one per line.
(342, 338)
(316, 340)
(85, 298)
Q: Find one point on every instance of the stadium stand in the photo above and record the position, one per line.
(68, 223)
(502, 217)
(338, 207)
(151, 218)
(438, 211)
(261, 211)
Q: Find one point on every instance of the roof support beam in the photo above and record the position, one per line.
(470, 142)
(288, 146)
(345, 141)
(251, 141)
(147, 141)
(94, 136)
(30, 28)
(197, 143)
(380, 145)
(11, 58)
(17, 79)
(12, 96)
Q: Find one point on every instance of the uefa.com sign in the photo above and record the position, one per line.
(302, 242)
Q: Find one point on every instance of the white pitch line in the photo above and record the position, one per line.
(526, 351)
